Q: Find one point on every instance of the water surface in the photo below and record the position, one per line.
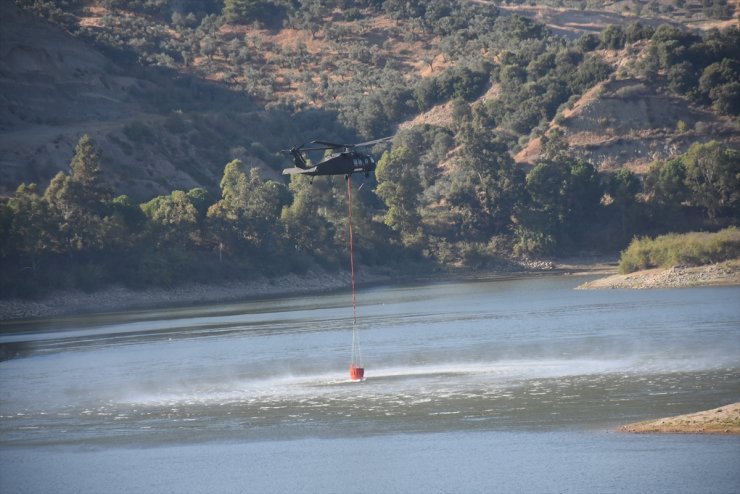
(470, 386)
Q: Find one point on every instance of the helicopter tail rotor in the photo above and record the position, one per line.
(298, 160)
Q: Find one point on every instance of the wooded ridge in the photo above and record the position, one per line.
(551, 144)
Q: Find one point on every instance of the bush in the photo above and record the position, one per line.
(138, 132)
(695, 249)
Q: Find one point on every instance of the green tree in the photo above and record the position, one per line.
(174, 219)
(201, 199)
(636, 32)
(713, 178)
(588, 42)
(124, 227)
(682, 78)
(24, 243)
(623, 188)
(666, 191)
(719, 84)
(564, 197)
(726, 98)
(236, 11)
(592, 71)
(169, 242)
(485, 186)
(584, 194)
(399, 188)
(29, 225)
(249, 208)
(666, 183)
(613, 37)
(307, 228)
(80, 201)
(404, 9)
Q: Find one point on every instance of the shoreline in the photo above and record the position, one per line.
(119, 298)
(720, 274)
(722, 420)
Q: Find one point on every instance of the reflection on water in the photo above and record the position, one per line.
(509, 386)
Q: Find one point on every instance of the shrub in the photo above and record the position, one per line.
(138, 132)
(695, 249)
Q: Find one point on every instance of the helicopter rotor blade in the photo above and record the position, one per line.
(332, 145)
(324, 145)
(303, 149)
(375, 141)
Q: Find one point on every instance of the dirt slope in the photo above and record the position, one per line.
(630, 123)
(54, 88)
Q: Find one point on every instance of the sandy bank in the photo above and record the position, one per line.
(725, 273)
(722, 420)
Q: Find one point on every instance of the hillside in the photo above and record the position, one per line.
(574, 22)
(56, 87)
(629, 123)
(146, 135)
(170, 100)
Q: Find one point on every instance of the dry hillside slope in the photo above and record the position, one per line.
(56, 88)
(630, 123)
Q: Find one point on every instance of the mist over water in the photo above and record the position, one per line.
(514, 356)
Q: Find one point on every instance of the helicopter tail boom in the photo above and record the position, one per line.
(300, 171)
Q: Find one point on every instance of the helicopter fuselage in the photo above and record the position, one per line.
(342, 163)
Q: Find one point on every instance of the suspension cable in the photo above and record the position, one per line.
(356, 357)
(351, 249)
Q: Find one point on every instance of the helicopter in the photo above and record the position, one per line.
(344, 159)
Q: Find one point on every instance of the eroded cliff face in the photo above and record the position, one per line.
(631, 123)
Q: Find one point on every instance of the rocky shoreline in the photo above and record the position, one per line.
(722, 420)
(118, 298)
(724, 273)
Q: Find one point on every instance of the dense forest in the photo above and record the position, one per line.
(442, 195)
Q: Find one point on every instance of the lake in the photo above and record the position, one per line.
(477, 386)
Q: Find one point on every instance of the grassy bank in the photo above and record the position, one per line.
(693, 249)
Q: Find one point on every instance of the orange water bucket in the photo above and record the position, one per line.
(356, 373)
